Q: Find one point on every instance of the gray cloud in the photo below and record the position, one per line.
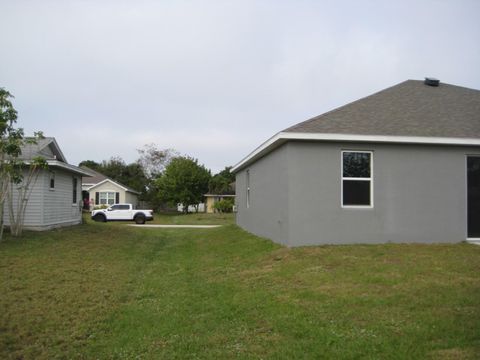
(214, 79)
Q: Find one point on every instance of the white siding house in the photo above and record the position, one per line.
(55, 199)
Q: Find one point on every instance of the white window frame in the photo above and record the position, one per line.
(357, 179)
(248, 187)
(106, 198)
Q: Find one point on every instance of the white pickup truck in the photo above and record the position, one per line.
(122, 212)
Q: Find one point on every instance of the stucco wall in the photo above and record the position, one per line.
(267, 215)
(419, 195)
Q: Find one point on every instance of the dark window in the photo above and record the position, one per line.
(473, 197)
(356, 192)
(356, 178)
(248, 188)
(52, 180)
(356, 165)
(75, 185)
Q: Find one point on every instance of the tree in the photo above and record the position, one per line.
(12, 168)
(154, 160)
(183, 181)
(131, 175)
(8, 146)
(221, 183)
(91, 165)
(21, 188)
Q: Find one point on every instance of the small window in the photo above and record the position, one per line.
(248, 188)
(357, 179)
(74, 194)
(52, 180)
(107, 198)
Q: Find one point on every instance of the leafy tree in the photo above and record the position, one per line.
(91, 165)
(12, 168)
(140, 175)
(221, 183)
(114, 168)
(131, 175)
(183, 181)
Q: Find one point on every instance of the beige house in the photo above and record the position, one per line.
(98, 190)
(211, 199)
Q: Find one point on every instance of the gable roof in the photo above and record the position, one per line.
(97, 179)
(46, 147)
(410, 112)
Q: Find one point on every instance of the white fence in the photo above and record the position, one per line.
(191, 208)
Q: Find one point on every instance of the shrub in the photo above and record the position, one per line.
(103, 206)
(224, 205)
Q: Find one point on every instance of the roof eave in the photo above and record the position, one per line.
(65, 166)
(282, 137)
(116, 183)
(62, 156)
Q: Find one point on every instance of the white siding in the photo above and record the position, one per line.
(33, 213)
(58, 203)
(50, 208)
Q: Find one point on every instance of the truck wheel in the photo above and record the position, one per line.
(139, 219)
(100, 218)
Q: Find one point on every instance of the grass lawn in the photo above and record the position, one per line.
(192, 219)
(111, 291)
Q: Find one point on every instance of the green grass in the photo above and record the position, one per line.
(109, 291)
(192, 219)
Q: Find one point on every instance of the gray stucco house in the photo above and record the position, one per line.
(56, 196)
(401, 165)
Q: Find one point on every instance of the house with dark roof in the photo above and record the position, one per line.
(401, 165)
(99, 190)
(55, 198)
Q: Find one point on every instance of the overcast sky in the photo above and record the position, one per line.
(214, 79)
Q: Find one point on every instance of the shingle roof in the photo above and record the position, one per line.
(410, 112)
(48, 148)
(97, 178)
(29, 151)
(410, 108)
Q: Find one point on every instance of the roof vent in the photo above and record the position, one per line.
(431, 81)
